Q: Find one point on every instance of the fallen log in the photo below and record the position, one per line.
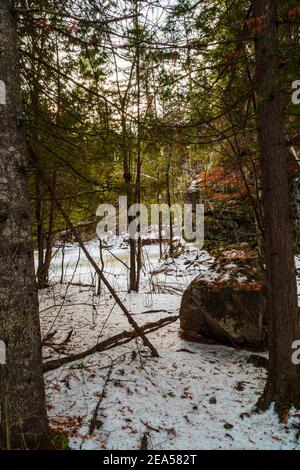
(109, 343)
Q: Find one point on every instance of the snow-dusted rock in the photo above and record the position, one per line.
(228, 307)
(230, 312)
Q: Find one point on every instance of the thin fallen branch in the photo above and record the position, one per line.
(94, 420)
(81, 284)
(109, 343)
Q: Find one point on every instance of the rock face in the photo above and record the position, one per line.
(228, 214)
(229, 310)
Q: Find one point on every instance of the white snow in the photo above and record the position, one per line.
(194, 396)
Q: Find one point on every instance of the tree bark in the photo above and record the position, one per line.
(139, 149)
(43, 269)
(24, 421)
(283, 385)
(39, 221)
(169, 201)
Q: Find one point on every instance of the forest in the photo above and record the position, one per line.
(149, 226)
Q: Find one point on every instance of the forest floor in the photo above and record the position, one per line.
(194, 396)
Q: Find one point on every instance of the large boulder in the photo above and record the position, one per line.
(228, 308)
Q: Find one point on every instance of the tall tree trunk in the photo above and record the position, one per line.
(24, 421)
(35, 137)
(283, 385)
(139, 149)
(39, 221)
(160, 237)
(45, 236)
(129, 193)
(43, 271)
(169, 200)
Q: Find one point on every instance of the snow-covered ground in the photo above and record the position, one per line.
(194, 396)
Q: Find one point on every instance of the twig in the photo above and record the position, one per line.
(94, 419)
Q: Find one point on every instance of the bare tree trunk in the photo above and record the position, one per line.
(24, 421)
(39, 221)
(43, 271)
(283, 386)
(160, 238)
(44, 275)
(169, 201)
(127, 176)
(132, 242)
(139, 149)
(35, 103)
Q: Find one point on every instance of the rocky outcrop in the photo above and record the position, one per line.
(229, 217)
(229, 308)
